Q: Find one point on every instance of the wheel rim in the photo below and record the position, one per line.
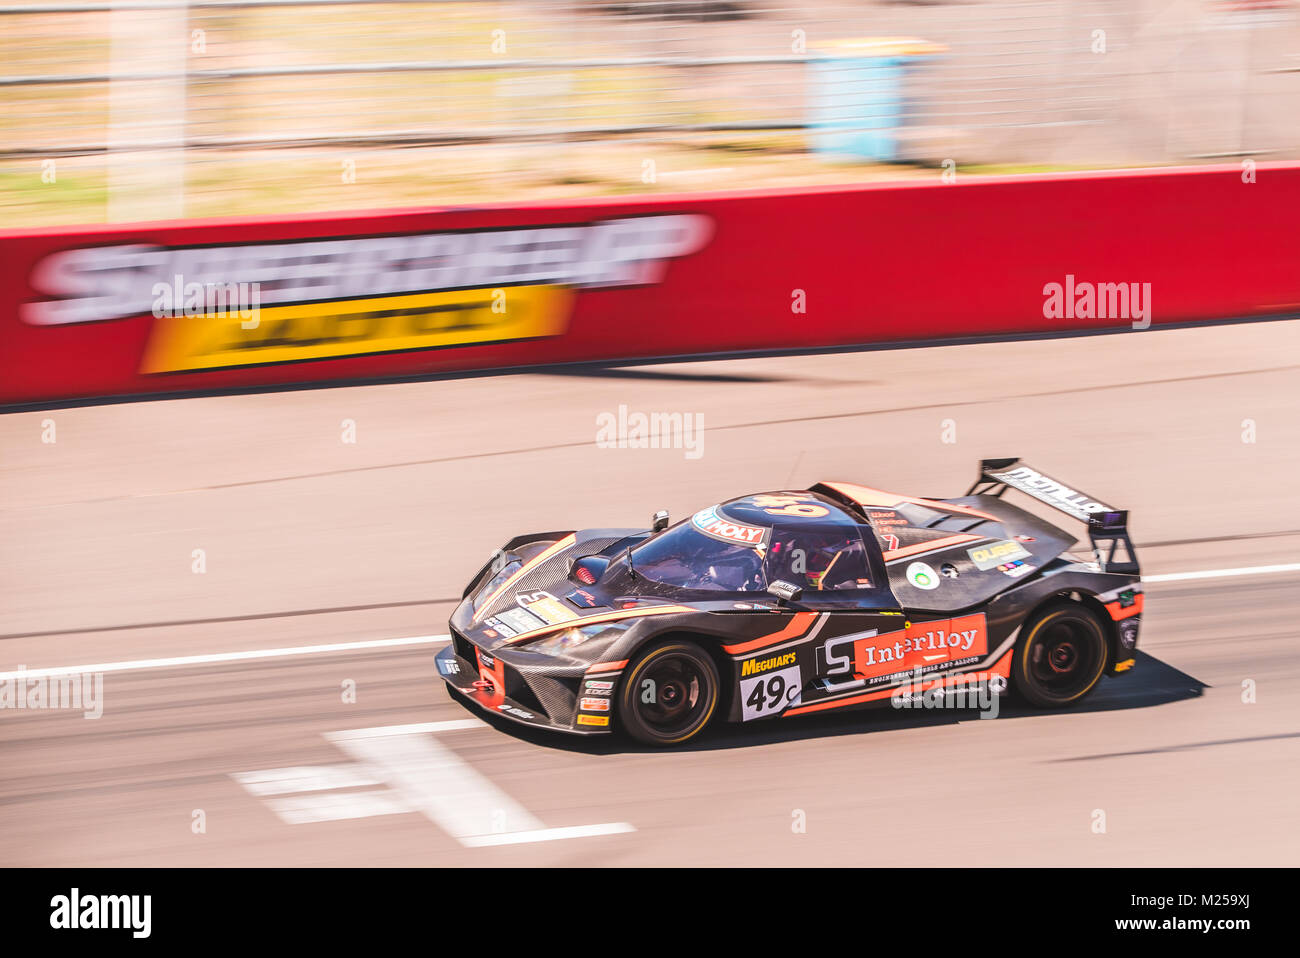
(1065, 658)
(679, 698)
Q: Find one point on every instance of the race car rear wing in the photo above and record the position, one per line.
(1107, 527)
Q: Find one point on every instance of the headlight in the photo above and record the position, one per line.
(490, 587)
(566, 640)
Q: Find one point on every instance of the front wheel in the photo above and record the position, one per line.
(1060, 657)
(669, 693)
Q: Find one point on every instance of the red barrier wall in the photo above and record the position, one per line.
(879, 263)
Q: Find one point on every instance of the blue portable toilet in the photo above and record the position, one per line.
(858, 96)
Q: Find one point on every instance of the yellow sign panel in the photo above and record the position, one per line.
(356, 327)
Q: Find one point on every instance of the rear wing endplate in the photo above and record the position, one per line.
(1107, 527)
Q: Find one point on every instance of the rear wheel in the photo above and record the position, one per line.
(669, 693)
(1060, 656)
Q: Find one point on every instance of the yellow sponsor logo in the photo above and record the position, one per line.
(996, 551)
(356, 327)
(755, 666)
(549, 610)
(593, 719)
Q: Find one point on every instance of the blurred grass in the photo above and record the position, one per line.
(234, 181)
(292, 181)
(244, 181)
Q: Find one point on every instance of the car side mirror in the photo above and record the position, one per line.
(660, 520)
(785, 592)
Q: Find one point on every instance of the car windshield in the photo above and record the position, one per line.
(687, 558)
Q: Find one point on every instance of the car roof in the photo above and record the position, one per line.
(796, 508)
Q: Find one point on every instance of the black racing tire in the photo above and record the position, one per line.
(668, 694)
(1060, 655)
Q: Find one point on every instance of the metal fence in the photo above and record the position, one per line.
(153, 85)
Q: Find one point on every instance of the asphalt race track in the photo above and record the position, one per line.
(307, 541)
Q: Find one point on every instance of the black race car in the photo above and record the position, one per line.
(788, 603)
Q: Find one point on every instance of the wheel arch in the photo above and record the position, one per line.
(1089, 600)
(712, 646)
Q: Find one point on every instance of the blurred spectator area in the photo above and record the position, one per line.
(226, 106)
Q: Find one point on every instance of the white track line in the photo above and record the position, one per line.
(1221, 573)
(433, 779)
(218, 657)
(545, 834)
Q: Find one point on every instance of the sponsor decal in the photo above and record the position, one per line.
(491, 678)
(1015, 569)
(595, 687)
(585, 600)
(770, 693)
(601, 720)
(922, 576)
(94, 284)
(521, 620)
(995, 554)
(926, 645)
(594, 705)
(755, 666)
(1050, 491)
(891, 541)
(1128, 633)
(357, 327)
(885, 517)
(498, 627)
(448, 667)
(874, 658)
(516, 712)
(711, 524)
(546, 607)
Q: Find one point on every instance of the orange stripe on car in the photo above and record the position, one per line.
(1118, 611)
(866, 496)
(1002, 668)
(600, 667)
(595, 619)
(558, 546)
(931, 546)
(800, 624)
